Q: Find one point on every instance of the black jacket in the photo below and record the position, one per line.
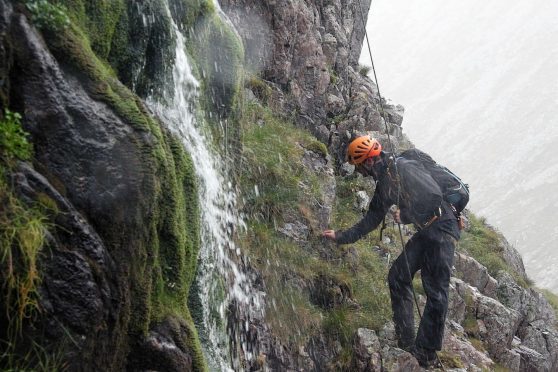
(419, 196)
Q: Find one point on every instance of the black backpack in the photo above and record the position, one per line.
(454, 190)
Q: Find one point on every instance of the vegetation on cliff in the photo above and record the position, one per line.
(23, 230)
(314, 287)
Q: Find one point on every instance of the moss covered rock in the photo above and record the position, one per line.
(123, 253)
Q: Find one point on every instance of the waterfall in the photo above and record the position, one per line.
(222, 280)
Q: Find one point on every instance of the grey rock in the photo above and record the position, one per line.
(475, 274)
(510, 359)
(456, 303)
(329, 46)
(496, 325)
(296, 231)
(335, 104)
(532, 360)
(501, 324)
(366, 348)
(249, 95)
(347, 169)
(469, 355)
(314, 46)
(537, 329)
(362, 200)
(397, 360)
(387, 334)
(512, 257)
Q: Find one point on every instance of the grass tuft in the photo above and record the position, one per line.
(483, 243)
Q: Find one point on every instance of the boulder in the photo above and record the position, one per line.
(366, 348)
(397, 360)
(475, 274)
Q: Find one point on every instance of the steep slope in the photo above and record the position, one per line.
(320, 296)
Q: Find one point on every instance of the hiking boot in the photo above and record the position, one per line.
(426, 358)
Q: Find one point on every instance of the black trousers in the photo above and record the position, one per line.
(430, 251)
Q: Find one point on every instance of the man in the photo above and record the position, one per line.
(407, 184)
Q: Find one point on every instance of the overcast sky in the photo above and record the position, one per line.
(479, 82)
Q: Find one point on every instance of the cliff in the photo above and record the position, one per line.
(101, 221)
(329, 305)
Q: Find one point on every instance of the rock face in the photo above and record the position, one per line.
(519, 332)
(117, 240)
(311, 55)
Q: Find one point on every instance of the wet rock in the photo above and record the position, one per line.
(366, 348)
(329, 293)
(100, 169)
(78, 277)
(165, 348)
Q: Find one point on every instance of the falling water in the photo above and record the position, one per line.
(222, 281)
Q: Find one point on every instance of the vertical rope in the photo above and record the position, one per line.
(382, 113)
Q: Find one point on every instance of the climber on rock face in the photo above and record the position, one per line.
(421, 201)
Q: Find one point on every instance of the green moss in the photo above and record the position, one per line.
(364, 70)
(98, 19)
(276, 188)
(259, 87)
(163, 263)
(48, 16)
(336, 325)
(13, 139)
(317, 147)
(450, 360)
(23, 228)
(471, 325)
(552, 298)
(219, 56)
(477, 344)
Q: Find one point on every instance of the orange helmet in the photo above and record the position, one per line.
(363, 148)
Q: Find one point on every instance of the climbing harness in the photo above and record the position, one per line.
(383, 115)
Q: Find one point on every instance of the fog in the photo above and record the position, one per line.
(479, 83)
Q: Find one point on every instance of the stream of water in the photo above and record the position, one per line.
(224, 286)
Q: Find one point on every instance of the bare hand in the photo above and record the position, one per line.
(329, 234)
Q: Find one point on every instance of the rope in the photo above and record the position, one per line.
(383, 115)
